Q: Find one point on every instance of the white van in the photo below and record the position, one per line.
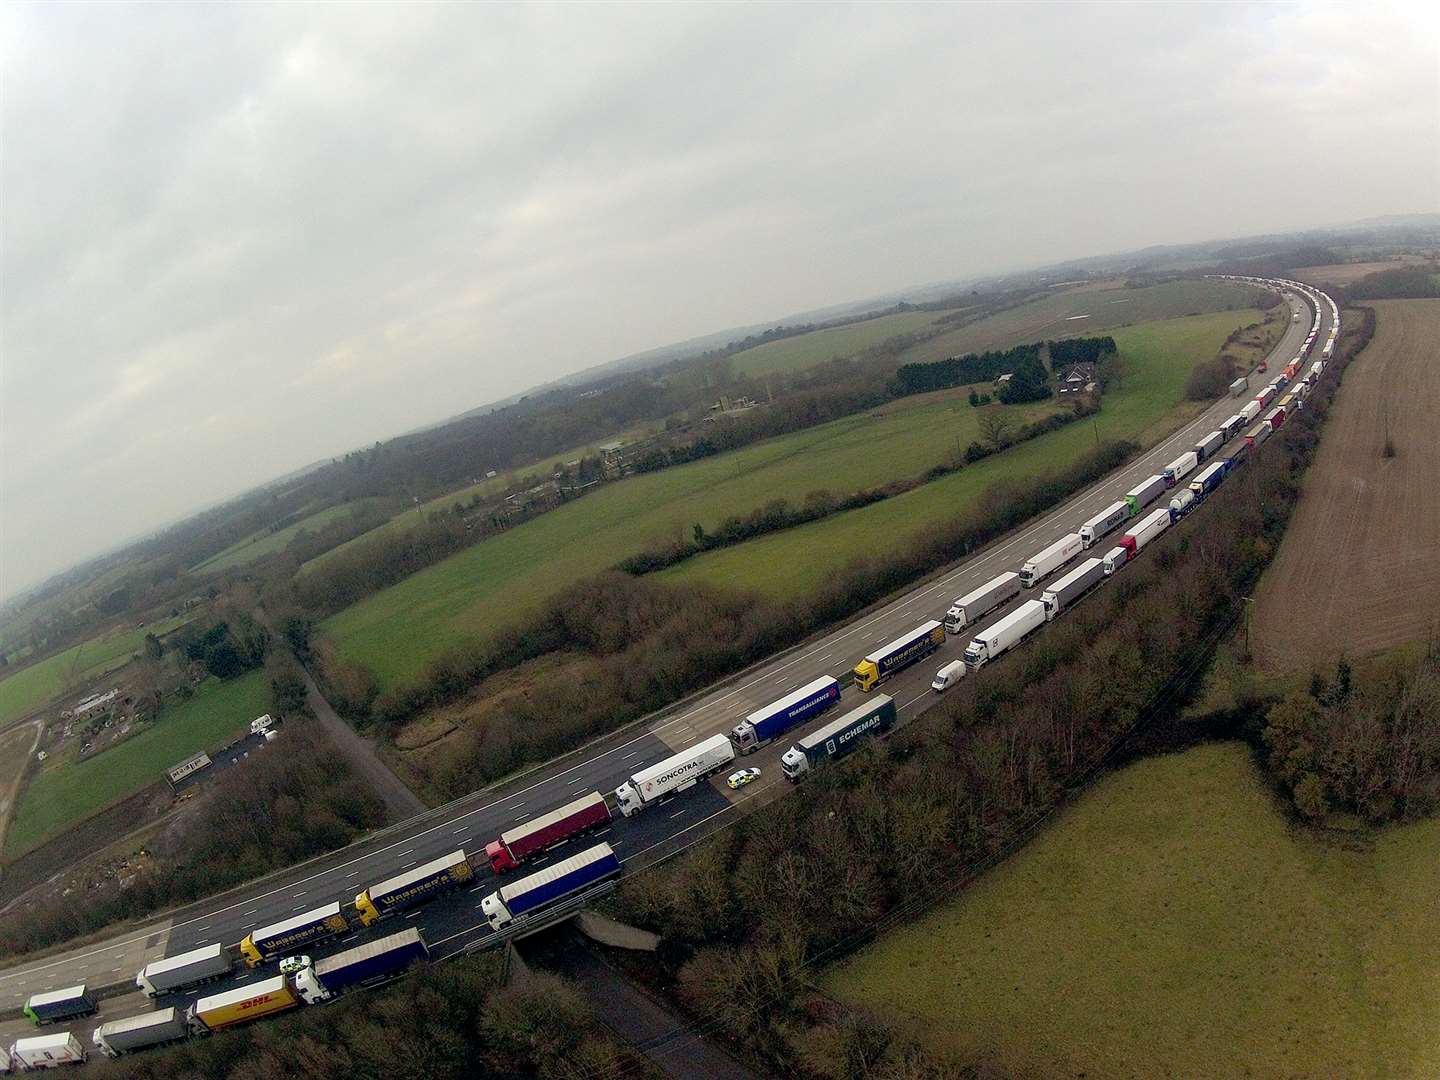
(948, 676)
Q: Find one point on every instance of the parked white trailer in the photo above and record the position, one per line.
(1047, 561)
(1061, 594)
(138, 1032)
(1232, 425)
(995, 640)
(1240, 385)
(1142, 495)
(47, 1051)
(185, 969)
(1208, 445)
(980, 602)
(1249, 412)
(675, 773)
(1103, 522)
(1151, 526)
(1115, 558)
(1181, 467)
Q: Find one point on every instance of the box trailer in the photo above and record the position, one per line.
(1142, 495)
(1232, 425)
(47, 1051)
(286, 936)
(839, 737)
(1265, 396)
(1208, 478)
(56, 1005)
(540, 834)
(1180, 468)
(185, 969)
(1045, 562)
(1275, 417)
(980, 602)
(1115, 558)
(241, 1005)
(1112, 516)
(898, 655)
(1181, 504)
(676, 773)
(368, 964)
(140, 1032)
(1239, 386)
(792, 710)
(1257, 434)
(996, 639)
(1061, 594)
(1151, 526)
(1207, 446)
(1249, 412)
(548, 887)
(413, 887)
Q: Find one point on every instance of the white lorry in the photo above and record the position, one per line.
(993, 641)
(675, 773)
(1047, 561)
(982, 601)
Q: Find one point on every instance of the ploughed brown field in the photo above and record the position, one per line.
(1359, 568)
(1345, 273)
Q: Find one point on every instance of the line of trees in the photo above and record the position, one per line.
(961, 370)
(874, 841)
(1080, 351)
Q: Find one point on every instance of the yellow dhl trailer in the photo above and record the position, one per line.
(241, 1005)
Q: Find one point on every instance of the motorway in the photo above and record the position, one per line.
(453, 923)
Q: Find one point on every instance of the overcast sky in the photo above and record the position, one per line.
(239, 238)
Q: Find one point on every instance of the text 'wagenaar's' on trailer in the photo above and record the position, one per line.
(141, 1032)
(413, 887)
(186, 969)
(548, 887)
(55, 1005)
(979, 603)
(994, 640)
(898, 655)
(534, 837)
(285, 936)
(806, 703)
(365, 965)
(839, 737)
(675, 773)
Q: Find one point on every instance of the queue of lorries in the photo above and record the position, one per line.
(303, 981)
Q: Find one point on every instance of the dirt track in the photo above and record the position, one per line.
(1359, 568)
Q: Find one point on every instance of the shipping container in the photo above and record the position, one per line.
(980, 602)
(1257, 434)
(186, 969)
(1148, 529)
(1182, 504)
(1208, 479)
(792, 710)
(47, 1051)
(373, 962)
(1061, 594)
(139, 1032)
(286, 936)
(1051, 558)
(1142, 495)
(413, 887)
(54, 1005)
(1115, 558)
(540, 834)
(839, 737)
(898, 655)
(1249, 412)
(1181, 467)
(1275, 417)
(1113, 515)
(676, 773)
(1208, 445)
(996, 639)
(547, 887)
(241, 1005)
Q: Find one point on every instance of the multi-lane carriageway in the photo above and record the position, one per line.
(453, 923)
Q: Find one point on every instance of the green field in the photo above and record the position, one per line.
(400, 630)
(1105, 307)
(1158, 357)
(260, 544)
(68, 790)
(807, 350)
(33, 686)
(1173, 922)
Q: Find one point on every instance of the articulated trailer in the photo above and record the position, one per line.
(762, 726)
(548, 887)
(185, 969)
(539, 835)
(1181, 467)
(1151, 526)
(1114, 515)
(980, 602)
(55, 1005)
(898, 655)
(839, 737)
(1208, 445)
(1142, 495)
(365, 965)
(413, 887)
(994, 641)
(676, 773)
(241, 1005)
(140, 1032)
(1070, 588)
(1208, 478)
(1044, 563)
(284, 937)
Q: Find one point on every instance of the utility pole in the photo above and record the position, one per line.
(1249, 600)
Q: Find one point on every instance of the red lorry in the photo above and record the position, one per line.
(524, 842)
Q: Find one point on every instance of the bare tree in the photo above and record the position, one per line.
(996, 424)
